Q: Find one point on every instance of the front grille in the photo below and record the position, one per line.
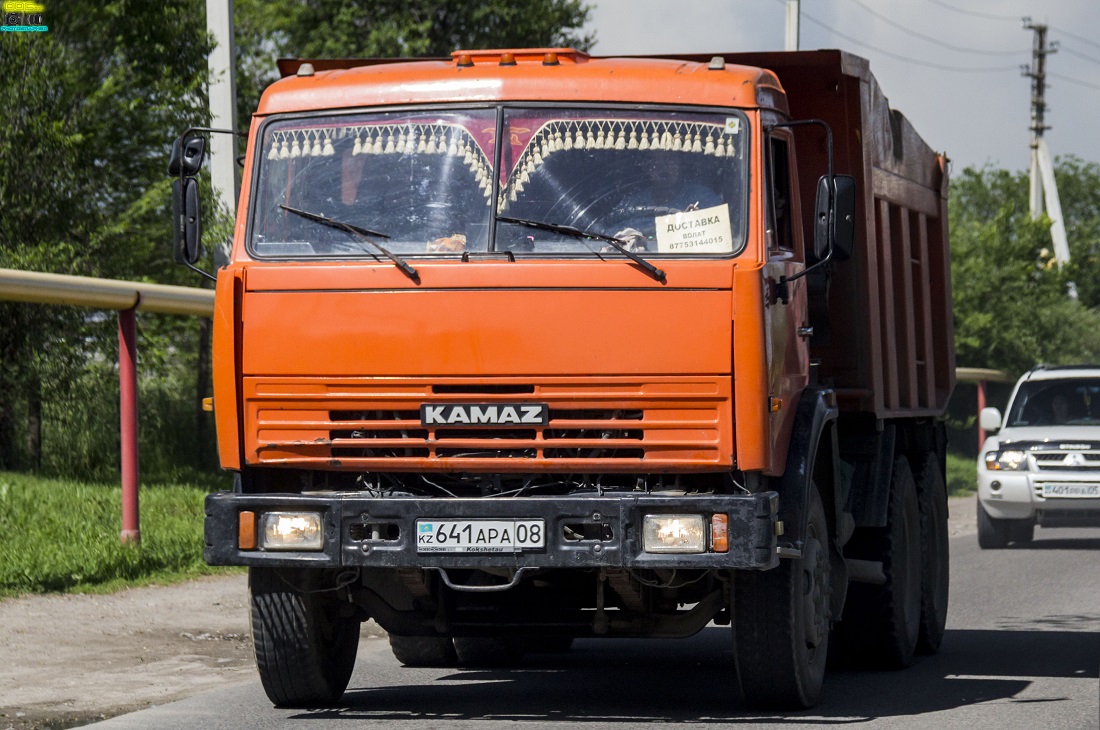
(620, 424)
(1057, 461)
(591, 434)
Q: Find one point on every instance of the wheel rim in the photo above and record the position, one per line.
(814, 594)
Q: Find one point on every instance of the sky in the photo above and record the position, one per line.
(951, 66)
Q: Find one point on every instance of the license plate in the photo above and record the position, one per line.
(479, 536)
(1070, 491)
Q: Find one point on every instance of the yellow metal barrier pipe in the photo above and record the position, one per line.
(83, 291)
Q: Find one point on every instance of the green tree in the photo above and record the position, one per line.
(1010, 300)
(87, 112)
(1079, 191)
(268, 29)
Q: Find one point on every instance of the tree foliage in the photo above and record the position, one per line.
(1010, 298)
(87, 111)
(269, 29)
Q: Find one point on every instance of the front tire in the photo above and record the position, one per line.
(781, 623)
(992, 533)
(305, 646)
(1021, 531)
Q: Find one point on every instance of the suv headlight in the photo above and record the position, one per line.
(1007, 460)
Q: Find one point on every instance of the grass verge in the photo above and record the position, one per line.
(63, 536)
(962, 475)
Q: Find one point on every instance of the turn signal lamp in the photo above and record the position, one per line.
(720, 533)
(246, 530)
(674, 534)
(291, 531)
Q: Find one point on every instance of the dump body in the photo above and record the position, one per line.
(887, 339)
(528, 343)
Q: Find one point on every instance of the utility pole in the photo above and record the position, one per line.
(1042, 166)
(223, 113)
(793, 16)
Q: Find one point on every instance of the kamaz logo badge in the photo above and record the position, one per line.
(485, 414)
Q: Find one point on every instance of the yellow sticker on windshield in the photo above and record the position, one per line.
(697, 231)
(733, 125)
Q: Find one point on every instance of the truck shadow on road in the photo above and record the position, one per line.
(692, 681)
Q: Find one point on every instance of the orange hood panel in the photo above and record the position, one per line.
(499, 328)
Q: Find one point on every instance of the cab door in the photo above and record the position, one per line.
(785, 312)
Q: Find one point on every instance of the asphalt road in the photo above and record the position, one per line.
(1022, 651)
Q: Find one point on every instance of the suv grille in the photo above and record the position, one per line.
(1067, 460)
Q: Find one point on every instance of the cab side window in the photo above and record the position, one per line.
(778, 172)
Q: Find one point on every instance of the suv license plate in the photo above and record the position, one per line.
(1070, 491)
(479, 536)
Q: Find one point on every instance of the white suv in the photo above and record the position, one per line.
(1042, 466)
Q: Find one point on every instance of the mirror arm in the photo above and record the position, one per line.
(808, 269)
(197, 270)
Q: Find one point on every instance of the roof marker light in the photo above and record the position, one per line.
(550, 59)
(717, 64)
(507, 59)
(464, 60)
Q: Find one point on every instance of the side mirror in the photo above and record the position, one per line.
(990, 419)
(187, 223)
(187, 156)
(835, 227)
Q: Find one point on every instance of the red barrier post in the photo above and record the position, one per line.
(128, 416)
(981, 405)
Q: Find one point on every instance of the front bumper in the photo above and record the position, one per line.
(1018, 495)
(351, 540)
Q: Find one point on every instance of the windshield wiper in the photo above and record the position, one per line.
(360, 233)
(578, 233)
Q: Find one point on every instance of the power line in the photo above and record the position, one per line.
(1075, 37)
(915, 61)
(931, 39)
(975, 13)
(1079, 82)
(1078, 54)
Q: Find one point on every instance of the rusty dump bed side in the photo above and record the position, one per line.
(883, 331)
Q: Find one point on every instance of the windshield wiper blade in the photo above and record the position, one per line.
(649, 268)
(358, 232)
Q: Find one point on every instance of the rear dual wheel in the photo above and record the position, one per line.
(935, 563)
(882, 623)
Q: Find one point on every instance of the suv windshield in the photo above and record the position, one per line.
(661, 182)
(1069, 402)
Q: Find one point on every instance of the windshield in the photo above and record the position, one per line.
(660, 182)
(1069, 402)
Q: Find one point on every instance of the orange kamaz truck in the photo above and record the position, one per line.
(522, 346)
